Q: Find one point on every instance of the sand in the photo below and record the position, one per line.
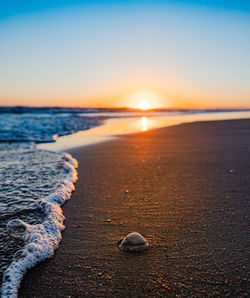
(184, 188)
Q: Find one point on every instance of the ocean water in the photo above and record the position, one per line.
(42, 128)
(34, 183)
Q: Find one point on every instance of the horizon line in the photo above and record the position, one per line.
(124, 108)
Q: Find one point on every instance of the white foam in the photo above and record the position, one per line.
(40, 240)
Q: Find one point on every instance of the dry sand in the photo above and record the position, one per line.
(184, 188)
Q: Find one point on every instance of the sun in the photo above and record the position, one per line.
(144, 100)
(144, 105)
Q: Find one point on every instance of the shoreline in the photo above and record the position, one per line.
(115, 127)
(182, 196)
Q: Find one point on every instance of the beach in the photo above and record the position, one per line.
(184, 188)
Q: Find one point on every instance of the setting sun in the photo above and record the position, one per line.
(144, 100)
(144, 105)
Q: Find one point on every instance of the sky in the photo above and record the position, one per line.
(185, 54)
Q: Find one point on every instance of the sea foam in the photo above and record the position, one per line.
(40, 240)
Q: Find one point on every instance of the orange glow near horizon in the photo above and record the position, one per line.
(140, 100)
(156, 97)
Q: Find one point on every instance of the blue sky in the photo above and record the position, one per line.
(98, 53)
(15, 7)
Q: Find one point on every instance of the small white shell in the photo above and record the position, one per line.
(133, 242)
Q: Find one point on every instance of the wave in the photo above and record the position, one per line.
(40, 240)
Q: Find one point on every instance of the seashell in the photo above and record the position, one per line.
(133, 242)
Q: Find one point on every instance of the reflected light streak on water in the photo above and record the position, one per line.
(120, 126)
(144, 123)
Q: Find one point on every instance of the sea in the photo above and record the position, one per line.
(36, 180)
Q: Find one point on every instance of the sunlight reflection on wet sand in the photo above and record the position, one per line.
(120, 126)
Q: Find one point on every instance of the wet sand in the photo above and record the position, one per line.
(184, 188)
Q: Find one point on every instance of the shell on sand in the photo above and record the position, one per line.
(133, 242)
